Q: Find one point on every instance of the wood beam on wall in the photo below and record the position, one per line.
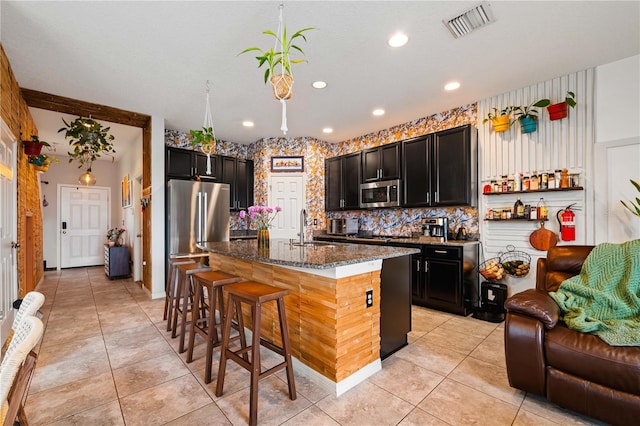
(65, 105)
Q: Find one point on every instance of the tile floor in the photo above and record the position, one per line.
(106, 359)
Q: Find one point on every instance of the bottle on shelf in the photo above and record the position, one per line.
(505, 183)
(534, 184)
(525, 183)
(542, 209)
(552, 181)
(564, 178)
(518, 209)
(518, 186)
(544, 180)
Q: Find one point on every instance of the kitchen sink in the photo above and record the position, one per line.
(314, 244)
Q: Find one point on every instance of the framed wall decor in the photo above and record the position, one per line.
(287, 164)
(126, 192)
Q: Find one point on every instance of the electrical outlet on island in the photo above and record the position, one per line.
(369, 298)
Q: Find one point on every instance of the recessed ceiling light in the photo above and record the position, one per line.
(398, 40)
(247, 123)
(452, 86)
(327, 130)
(378, 111)
(319, 84)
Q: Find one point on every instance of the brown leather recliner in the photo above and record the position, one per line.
(575, 370)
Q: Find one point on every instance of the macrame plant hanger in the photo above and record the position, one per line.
(283, 82)
(208, 122)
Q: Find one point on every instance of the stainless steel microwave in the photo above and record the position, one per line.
(380, 194)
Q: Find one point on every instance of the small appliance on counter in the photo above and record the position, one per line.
(342, 226)
(435, 229)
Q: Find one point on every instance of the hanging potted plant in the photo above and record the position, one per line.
(34, 146)
(282, 82)
(528, 115)
(500, 119)
(89, 140)
(204, 139)
(561, 110)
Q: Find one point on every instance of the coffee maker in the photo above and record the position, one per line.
(435, 228)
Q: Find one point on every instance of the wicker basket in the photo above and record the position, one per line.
(491, 269)
(515, 263)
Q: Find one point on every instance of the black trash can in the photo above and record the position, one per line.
(492, 298)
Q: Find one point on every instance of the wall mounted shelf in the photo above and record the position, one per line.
(575, 188)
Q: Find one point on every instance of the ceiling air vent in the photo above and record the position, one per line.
(470, 20)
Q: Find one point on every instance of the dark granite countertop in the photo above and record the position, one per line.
(281, 252)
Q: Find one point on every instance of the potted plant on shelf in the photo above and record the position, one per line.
(560, 110)
(34, 146)
(282, 82)
(528, 115)
(89, 140)
(42, 162)
(500, 119)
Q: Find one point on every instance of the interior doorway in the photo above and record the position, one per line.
(286, 191)
(137, 230)
(83, 219)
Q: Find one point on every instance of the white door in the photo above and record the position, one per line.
(287, 191)
(8, 230)
(84, 221)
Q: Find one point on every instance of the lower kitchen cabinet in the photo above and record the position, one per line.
(116, 261)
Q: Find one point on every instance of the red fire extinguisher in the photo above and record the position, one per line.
(567, 221)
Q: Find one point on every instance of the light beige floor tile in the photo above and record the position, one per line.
(419, 418)
(525, 418)
(312, 416)
(145, 374)
(164, 402)
(274, 405)
(84, 312)
(122, 318)
(134, 345)
(487, 378)
(415, 384)
(537, 405)
(491, 350)
(209, 415)
(470, 325)
(368, 398)
(58, 332)
(434, 358)
(305, 386)
(104, 415)
(458, 404)
(63, 401)
(65, 363)
(455, 340)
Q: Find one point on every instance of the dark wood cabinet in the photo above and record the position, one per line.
(381, 163)
(342, 182)
(439, 169)
(238, 173)
(188, 164)
(116, 261)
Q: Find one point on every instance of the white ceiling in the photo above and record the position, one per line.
(155, 57)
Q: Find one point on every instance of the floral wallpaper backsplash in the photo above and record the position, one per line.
(396, 222)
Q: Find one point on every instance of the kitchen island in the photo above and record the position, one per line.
(335, 337)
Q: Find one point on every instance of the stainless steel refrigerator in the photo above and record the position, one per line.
(197, 212)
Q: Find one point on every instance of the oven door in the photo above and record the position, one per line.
(380, 194)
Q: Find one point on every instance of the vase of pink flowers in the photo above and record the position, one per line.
(262, 217)
(114, 236)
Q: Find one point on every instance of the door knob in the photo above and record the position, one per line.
(14, 244)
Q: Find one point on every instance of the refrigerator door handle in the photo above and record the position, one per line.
(205, 208)
(199, 234)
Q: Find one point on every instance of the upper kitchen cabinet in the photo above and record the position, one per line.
(342, 182)
(381, 163)
(238, 173)
(440, 169)
(189, 164)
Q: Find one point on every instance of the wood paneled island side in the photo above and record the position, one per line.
(335, 338)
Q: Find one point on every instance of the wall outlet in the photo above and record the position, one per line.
(369, 298)
(315, 222)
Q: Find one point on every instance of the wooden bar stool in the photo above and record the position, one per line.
(170, 288)
(255, 294)
(206, 325)
(184, 294)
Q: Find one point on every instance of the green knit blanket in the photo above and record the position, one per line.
(605, 298)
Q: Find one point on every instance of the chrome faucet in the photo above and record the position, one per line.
(303, 222)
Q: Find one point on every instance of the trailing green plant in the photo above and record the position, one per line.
(274, 58)
(570, 99)
(88, 139)
(205, 139)
(530, 110)
(495, 113)
(633, 207)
